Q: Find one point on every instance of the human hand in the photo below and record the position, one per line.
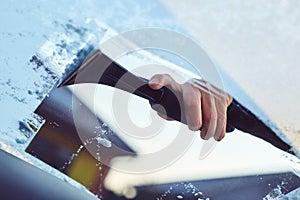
(205, 110)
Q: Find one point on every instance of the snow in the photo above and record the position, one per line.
(103, 141)
(35, 27)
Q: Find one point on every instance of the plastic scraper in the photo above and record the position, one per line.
(100, 69)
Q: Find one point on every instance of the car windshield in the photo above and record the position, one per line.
(106, 140)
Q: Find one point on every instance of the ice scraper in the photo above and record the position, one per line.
(100, 69)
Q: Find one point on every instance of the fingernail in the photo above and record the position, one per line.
(221, 138)
(154, 81)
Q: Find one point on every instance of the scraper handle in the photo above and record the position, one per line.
(170, 103)
(239, 117)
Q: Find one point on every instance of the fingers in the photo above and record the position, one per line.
(203, 109)
(214, 104)
(209, 112)
(214, 115)
(221, 107)
(192, 106)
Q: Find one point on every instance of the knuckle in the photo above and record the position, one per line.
(157, 76)
(229, 100)
(167, 76)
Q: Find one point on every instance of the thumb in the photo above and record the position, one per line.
(155, 83)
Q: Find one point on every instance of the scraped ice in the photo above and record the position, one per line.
(275, 194)
(65, 51)
(22, 90)
(293, 162)
(188, 189)
(278, 191)
(105, 142)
